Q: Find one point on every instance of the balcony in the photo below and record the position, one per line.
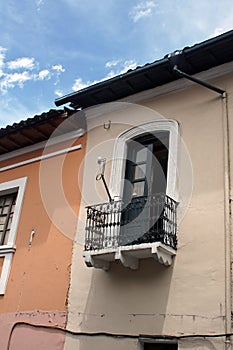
(144, 228)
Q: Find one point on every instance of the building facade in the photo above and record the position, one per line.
(122, 236)
(151, 266)
(36, 241)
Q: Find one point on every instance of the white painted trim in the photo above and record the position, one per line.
(51, 142)
(7, 250)
(120, 149)
(5, 271)
(129, 255)
(140, 345)
(10, 187)
(40, 158)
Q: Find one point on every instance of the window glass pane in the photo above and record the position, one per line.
(7, 232)
(5, 210)
(7, 205)
(8, 200)
(141, 155)
(139, 171)
(2, 220)
(138, 189)
(9, 221)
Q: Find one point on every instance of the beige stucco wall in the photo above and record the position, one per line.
(189, 296)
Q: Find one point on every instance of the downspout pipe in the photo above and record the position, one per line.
(227, 218)
(198, 81)
(227, 200)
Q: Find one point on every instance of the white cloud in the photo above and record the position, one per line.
(112, 63)
(16, 73)
(58, 93)
(143, 9)
(131, 64)
(79, 84)
(58, 68)
(23, 62)
(224, 26)
(43, 74)
(12, 80)
(2, 55)
(2, 58)
(39, 4)
(218, 31)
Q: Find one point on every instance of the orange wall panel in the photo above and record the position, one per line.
(40, 272)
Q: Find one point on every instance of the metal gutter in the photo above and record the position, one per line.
(198, 81)
(98, 86)
(161, 70)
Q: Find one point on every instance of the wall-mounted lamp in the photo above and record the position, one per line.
(100, 175)
(102, 163)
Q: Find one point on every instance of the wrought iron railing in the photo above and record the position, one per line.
(143, 220)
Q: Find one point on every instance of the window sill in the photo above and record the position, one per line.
(4, 249)
(129, 255)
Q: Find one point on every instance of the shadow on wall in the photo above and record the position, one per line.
(127, 301)
(202, 343)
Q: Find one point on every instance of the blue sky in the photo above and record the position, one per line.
(51, 48)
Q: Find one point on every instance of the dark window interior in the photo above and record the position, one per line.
(159, 346)
(146, 166)
(145, 178)
(7, 206)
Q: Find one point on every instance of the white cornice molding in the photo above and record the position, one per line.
(40, 158)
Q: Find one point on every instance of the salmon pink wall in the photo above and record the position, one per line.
(40, 272)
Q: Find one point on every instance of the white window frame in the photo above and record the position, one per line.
(120, 154)
(7, 250)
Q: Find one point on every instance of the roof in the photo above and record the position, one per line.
(191, 60)
(32, 130)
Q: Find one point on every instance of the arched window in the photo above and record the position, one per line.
(151, 151)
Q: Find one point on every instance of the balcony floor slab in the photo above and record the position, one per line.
(130, 255)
